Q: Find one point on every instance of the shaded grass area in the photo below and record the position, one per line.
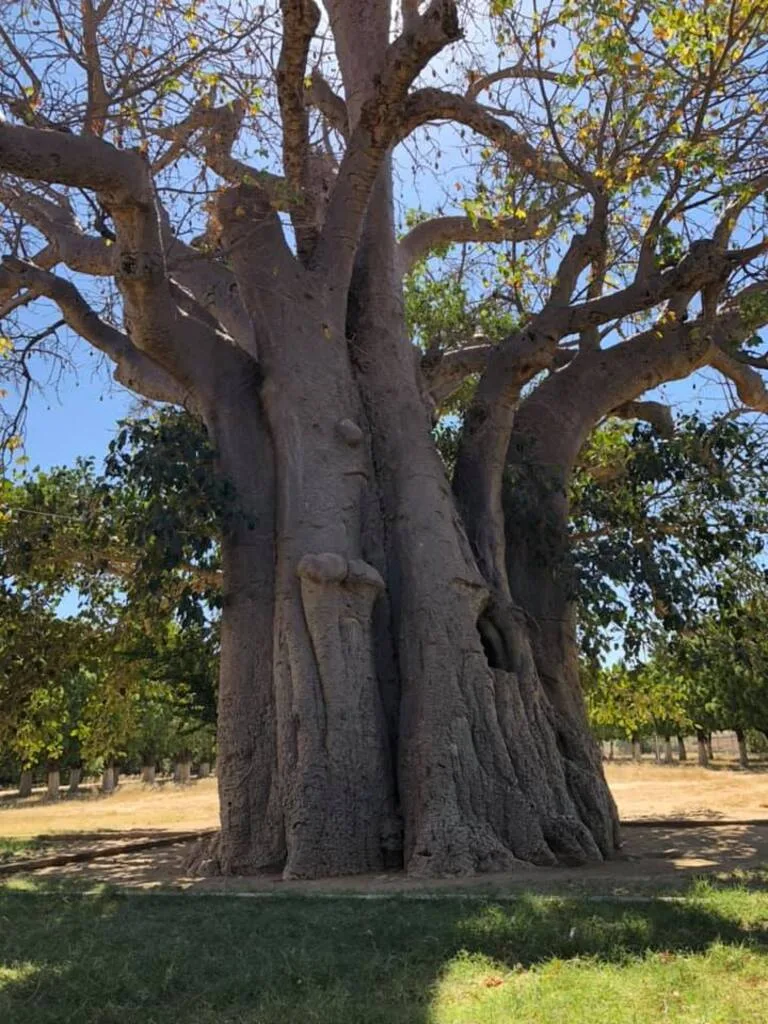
(13, 849)
(109, 958)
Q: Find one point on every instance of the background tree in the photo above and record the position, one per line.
(399, 674)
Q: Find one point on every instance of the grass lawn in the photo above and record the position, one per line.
(10, 849)
(154, 959)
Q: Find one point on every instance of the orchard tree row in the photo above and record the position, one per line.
(108, 648)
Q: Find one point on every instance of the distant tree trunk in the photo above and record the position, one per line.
(204, 770)
(75, 775)
(741, 738)
(53, 790)
(701, 742)
(710, 755)
(656, 753)
(182, 771)
(108, 779)
(25, 783)
(148, 773)
(667, 750)
(637, 748)
(682, 755)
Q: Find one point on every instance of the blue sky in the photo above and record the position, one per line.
(75, 416)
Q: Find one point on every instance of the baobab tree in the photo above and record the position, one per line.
(206, 192)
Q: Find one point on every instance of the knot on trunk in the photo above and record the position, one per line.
(349, 432)
(327, 568)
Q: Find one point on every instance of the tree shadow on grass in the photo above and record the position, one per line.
(200, 959)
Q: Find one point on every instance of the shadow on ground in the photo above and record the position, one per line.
(159, 959)
(652, 858)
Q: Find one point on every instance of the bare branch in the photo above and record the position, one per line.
(98, 98)
(428, 105)
(134, 369)
(480, 83)
(220, 127)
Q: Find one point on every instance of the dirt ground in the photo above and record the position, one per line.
(731, 805)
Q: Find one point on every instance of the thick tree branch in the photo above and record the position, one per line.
(427, 105)
(220, 127)
(124, 186)
(375, 132)
(57, 223)
(61, 158)
(750, 386)
(656, 413)
(437, 231)
(444, 376)
(97, 105)
(320, 95)
(300, 21)
(133, 368)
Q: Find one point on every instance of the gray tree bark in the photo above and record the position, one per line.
(75, 775)
(148, 772)
(25, 784)
(682, 754)
(702, 750)
(53, 789)
(741, 739)
(668, 759)
(108, 780)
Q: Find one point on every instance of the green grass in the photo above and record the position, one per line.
(10, 849)
(153, 959)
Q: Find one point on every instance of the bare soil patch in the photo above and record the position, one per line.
(728, 803)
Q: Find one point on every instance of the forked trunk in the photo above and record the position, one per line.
(382, 702)
(384, 707)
